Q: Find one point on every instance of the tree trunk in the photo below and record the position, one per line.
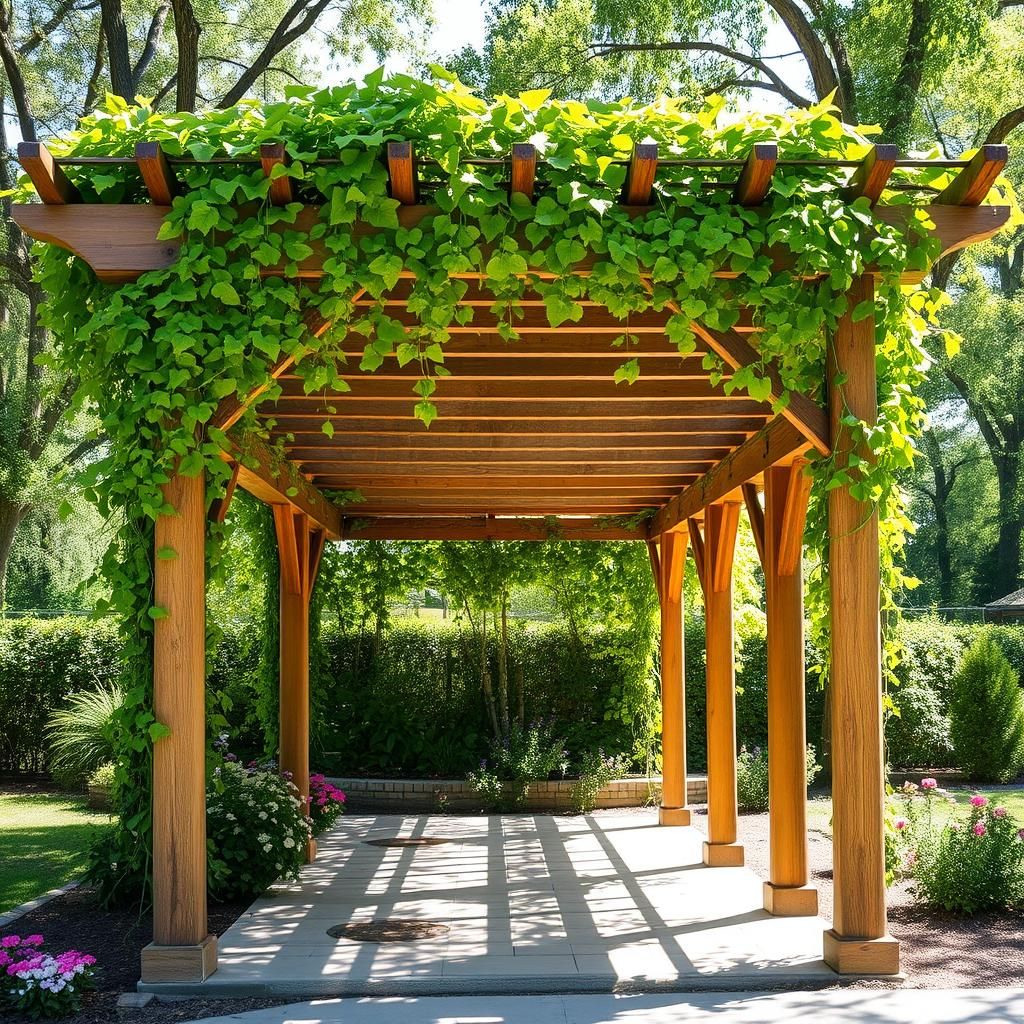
(11, 515)
(186, 30)
(116, 34)
(1010, 524)
(503, 666)
(485, 679)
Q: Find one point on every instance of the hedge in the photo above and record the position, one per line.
(413, 706)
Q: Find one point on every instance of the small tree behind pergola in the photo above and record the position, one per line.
(396, 311)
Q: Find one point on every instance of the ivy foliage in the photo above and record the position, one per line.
(155, 356)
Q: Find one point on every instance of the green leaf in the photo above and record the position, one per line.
(158, 731)
(426, 412)
(155, 612)
(328, 428)
(863, 310)
(166, 554)
(628, 372)
(226, 293)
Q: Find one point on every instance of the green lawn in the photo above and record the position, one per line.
(819, 809)
(43, 839)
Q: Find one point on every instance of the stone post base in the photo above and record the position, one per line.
(179, 963)
(673, 815)
(862, 956)
(723, 855)
(791, 900)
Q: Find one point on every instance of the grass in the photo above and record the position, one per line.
(819, 808)
(43, 843)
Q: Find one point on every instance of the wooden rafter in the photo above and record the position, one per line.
(402, 172)
(273, 155)
(156, 172)
(973, 184)
(871, 178)
(643, 166)
(48, 178)
(483, 527)
(756, 177)
(524, 169)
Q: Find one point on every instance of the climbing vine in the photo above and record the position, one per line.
(155, 356)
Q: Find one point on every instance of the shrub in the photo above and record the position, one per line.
(595, 772)
(987, 712)
(40, 984)
(256, 830)
(326, 803)
(79, 731)
(530, 754)
(972, 865)
(752, 777)
(919, 736)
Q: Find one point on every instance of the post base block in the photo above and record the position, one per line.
(673, 815)
(723, 855)
(180, 963)
(862, 956)
(311, 851)
(791, 900)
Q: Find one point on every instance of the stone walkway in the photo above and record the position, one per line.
(528, 904)
(843, 1006)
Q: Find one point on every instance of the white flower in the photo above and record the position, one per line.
(267, 847)
(289, 843)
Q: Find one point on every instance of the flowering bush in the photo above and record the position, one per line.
(531, 754)
(40, 984)
(596, 770)
(752, 777)
(326, 803)
(256, 829)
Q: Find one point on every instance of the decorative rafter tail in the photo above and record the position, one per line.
(643, 166)
(272, 154)
(402, 172)
(51, 183)
(973, 184)
(157, 176)
(524, 169)
(755, 179)
(871, 178)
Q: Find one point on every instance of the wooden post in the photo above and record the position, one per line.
(720, 523)
(182, 949)
(673, 810)
(859, 941)
(299, 549)
(786, 893)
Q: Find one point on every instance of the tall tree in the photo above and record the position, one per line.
(58, 58)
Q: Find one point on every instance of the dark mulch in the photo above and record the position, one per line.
(116, 938)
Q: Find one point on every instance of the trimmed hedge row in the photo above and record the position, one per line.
(412, 705)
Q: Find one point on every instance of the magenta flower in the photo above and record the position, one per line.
(901, 823)
(998, 812)
(979, 828)
(929, 784)
(32, 940)
(1020, 833)
(10, 941)
(978, 800)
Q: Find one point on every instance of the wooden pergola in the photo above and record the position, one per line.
(535, 441)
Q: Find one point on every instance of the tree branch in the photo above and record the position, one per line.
(116, 34)
(15, 79)
(186, 30)
(156, 28)
(60, 14)
(823, 74)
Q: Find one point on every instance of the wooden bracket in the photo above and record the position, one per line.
(156, 172)
(721, 522)
(673, 564)
(402, 172)
(791, 532)
(973, 184)
(652, 551)
(869, 180)
(755, 513)
(524, 169)
(50, 181)
(756, 177)
(699, 553)
(272, 154)
(219, 506)
(643, 165)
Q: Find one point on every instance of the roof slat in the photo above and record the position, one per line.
(524, 169)
(756, 177)
(402, 172)
(643, 166)
(870, 179)
(973, 183)
(51, 183)
(272, 154)
(156, 172)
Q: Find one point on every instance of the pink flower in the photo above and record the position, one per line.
(979, 829)
(998, 812)
(1020, 833)
(901, 823)
(929, 784)
(954, 826)
(33, 940)
(10, 941)
(978, 800)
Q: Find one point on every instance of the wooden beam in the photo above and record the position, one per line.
(524, 169)
(431, 471)
(288, 548)
(699, 560)
(756, 177)
(50, 182)
(973, 184)
(655, 558)
(464, 527)
(798, 492)
(870, 179)
(643, 166)
(265, 477)
(769, 446)
(673, 809)
(725, 539)
(755, 514)
(219, 506)
(402, 172)
(156, 172)
(272, 154)
(428, 445)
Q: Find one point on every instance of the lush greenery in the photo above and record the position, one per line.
(79, 732)
(326, 803)
(752, 776)
(532, 753)
(42, 984)
(43, 843)
(987, 714)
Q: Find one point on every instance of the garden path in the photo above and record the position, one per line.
(531, 903)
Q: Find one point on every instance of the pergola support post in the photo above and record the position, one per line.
(786, 893)
(720, 523)
(858, 942)
(182, 949)
(673, 809)
(299, 547)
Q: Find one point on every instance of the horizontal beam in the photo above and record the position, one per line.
(775, 442)
(498, 425)
(435, 444)
(565, 342)
(265, 477)
(119, 241)
(433, 467)
(485, 528)
(509, 506)
(538, 410)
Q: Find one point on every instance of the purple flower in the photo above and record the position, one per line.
(929, 784)
(10, 941)
(998, 812)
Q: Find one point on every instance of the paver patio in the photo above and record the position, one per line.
(532, 903)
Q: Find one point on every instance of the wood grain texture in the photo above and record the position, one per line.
(755, 516)
(272, 154)
(524, 169)
(156, 172)
(870, 179)
(673, 683)
(179, 759)
(402, 172)
(787, 731)
(973, 184)
(643, 166)
(755, 179)
(49, 180)
(856, 676)
(357, 527)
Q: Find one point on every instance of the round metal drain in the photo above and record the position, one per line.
(392, 929)
(408, 841)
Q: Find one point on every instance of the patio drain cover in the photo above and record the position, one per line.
(408, 841)
(392, 929)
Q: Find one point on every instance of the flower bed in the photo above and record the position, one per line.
(42, 984)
